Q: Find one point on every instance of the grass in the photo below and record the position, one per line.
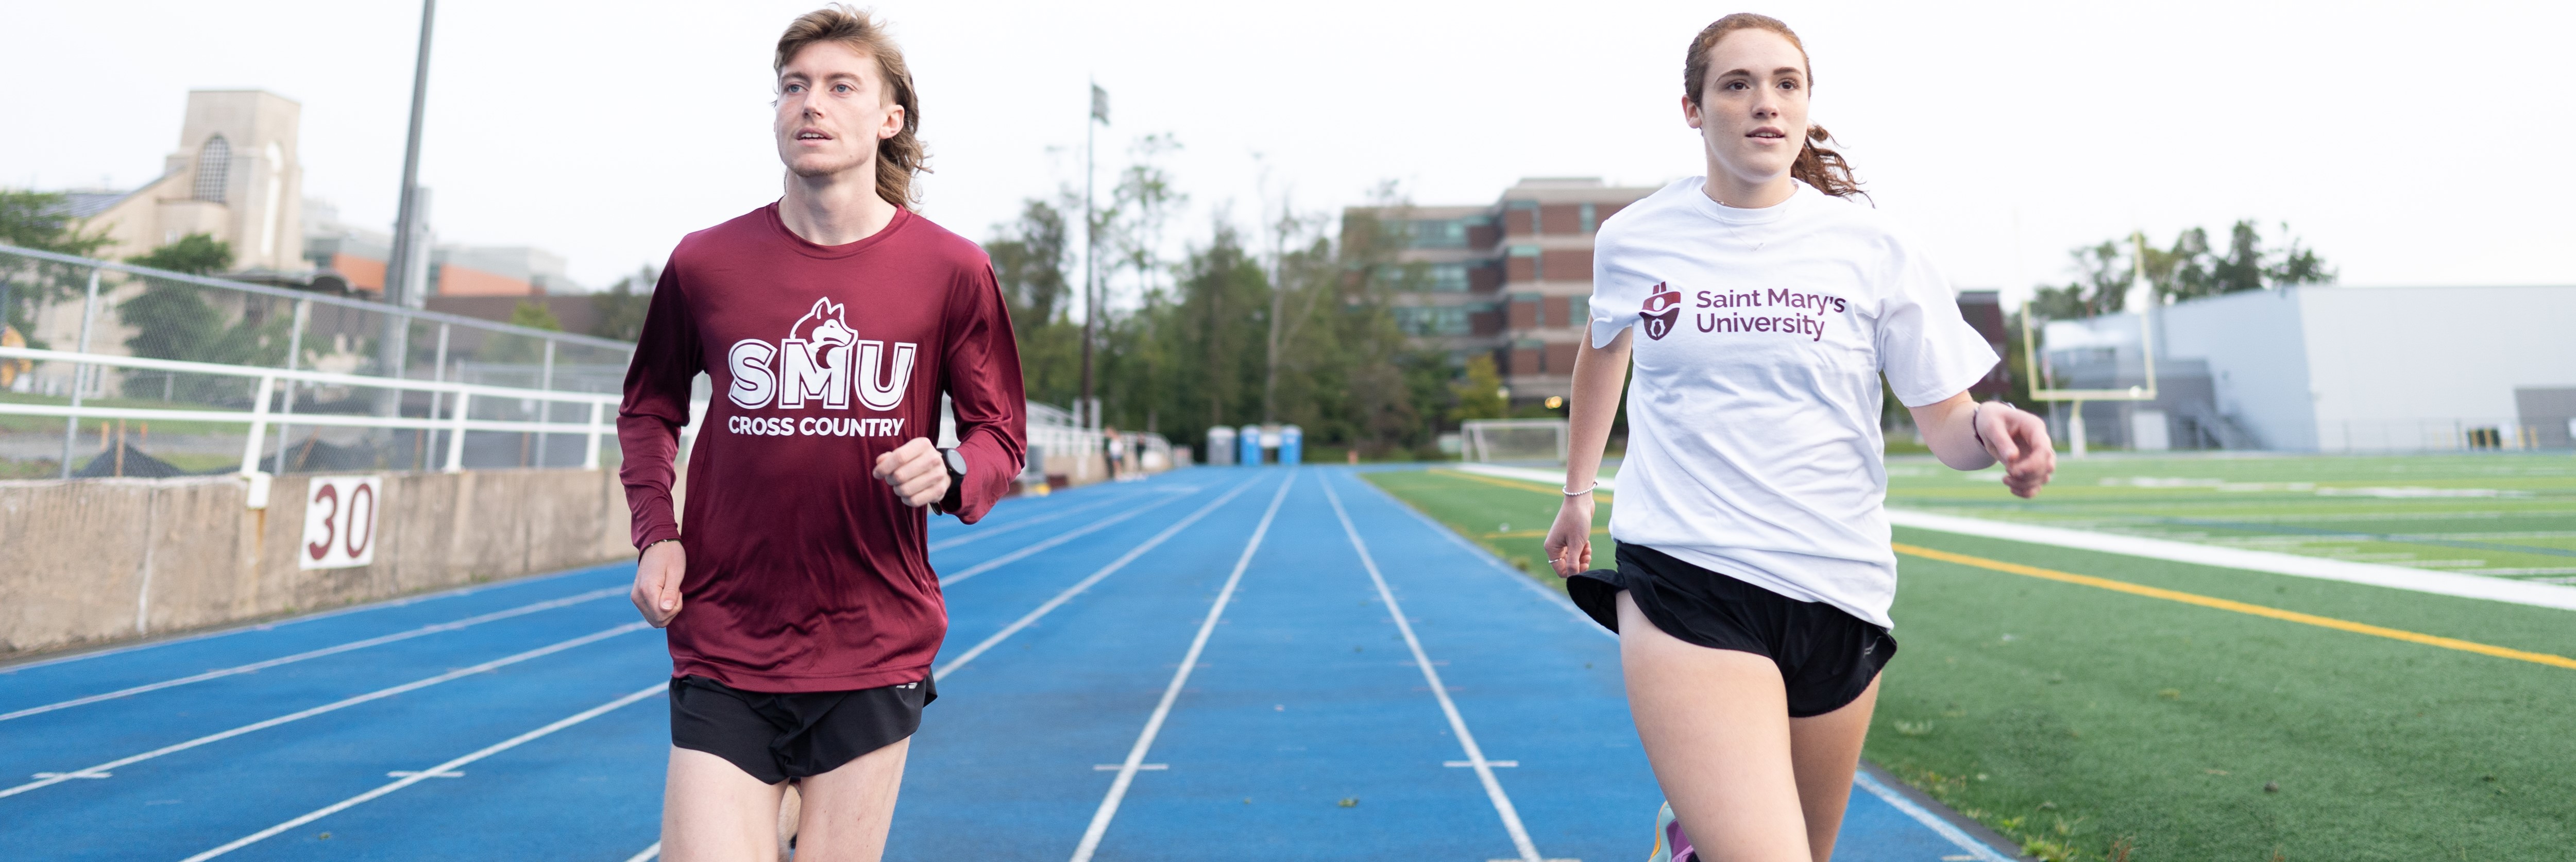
(2501, 515)
(2093, 724)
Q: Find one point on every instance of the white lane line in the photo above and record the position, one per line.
(1058, 539)
(1457, 724)
(1154, 723)
(1031, 617)
(980, 533)
(647, 854)
(322, 615)
(379, 694)
(450, 766)
(220, 673)
(1516, 575)
(1977, 849)
(2374, 574)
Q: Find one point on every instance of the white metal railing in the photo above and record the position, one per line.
(259, 417)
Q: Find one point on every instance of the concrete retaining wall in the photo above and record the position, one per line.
(91, 561)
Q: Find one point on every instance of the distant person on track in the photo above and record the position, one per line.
(1753, 575)
(802, 609)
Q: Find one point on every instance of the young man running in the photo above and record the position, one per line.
(802, 609)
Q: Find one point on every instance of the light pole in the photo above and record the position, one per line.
(1086, 413)
(392, 347)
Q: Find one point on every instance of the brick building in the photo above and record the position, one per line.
(1509, 279)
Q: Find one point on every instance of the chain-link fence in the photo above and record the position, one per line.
(53, 302)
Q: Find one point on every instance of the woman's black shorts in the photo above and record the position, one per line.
(1827, 657)
(776, 737)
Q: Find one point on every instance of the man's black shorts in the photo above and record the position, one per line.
(1827, 657)
(776, 737)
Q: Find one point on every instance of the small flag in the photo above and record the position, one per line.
(1099, 104)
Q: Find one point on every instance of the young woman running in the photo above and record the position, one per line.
(1754, 576)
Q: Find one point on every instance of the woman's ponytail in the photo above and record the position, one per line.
(1824, 169)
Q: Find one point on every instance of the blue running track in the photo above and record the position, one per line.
(1213, 663)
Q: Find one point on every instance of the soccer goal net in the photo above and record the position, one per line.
(1499, 440)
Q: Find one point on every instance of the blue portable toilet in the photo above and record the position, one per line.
(1292, 444)
(1220, 446)
(1249, 437)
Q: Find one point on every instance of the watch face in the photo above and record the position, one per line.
(956, 461)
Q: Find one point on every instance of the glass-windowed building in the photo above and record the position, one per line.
(1508, 279)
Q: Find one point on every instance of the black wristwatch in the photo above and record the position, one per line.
(956, 463)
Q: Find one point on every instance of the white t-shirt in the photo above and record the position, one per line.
(1753, 442)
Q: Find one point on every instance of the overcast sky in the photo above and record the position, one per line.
(2409, 144)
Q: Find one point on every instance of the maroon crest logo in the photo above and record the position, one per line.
(1664, 307)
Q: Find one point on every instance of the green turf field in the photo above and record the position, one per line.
(2096, 724)
(2502, 515)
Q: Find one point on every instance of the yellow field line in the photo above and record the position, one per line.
(1601, 496)
(2239, 607)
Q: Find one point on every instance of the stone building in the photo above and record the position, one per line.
(234, 177)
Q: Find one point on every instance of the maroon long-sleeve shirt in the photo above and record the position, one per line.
(805, 572)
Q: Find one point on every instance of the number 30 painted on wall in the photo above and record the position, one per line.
(339, 522)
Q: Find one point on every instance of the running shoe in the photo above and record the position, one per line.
(1670, 844)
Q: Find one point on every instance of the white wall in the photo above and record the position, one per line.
(2386, 359)
(2259, 362)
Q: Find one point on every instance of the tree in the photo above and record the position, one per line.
(194, 254)
(621, 307)
(1480, 391)
(2101, 285)
(1030, 257)
(2189, 269)
(173, 320)
(40, 221)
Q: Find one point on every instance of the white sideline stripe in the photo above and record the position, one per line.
(298, 715)
(1932, 821)
(1031, 617)
(380, 640)
(1058, 539)
(1526, 474)
(1154, 723)
(647, 854)
(450, 766)
(2374, 574)
(979, 534)
(1517, 576)
(1457, 723)
(2377, 575)
(271, 625)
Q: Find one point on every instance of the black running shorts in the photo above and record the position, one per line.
(776, 737)
(1827, 657)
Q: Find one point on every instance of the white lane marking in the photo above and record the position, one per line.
(405, 773)
(220, 673)
(1031, 617)
(1058, 539)
(450, 766)
(324, 615)
(1977, 849)
(1516, 575)
(74, 775)
(2374, 574)
(1146, 767)
(1465, 764)
(980, 533)
(647, 854)
(1154, 723)
(299, 715)
(1457, 723)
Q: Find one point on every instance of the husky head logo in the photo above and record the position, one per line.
(1662, 308)
(823, 326)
